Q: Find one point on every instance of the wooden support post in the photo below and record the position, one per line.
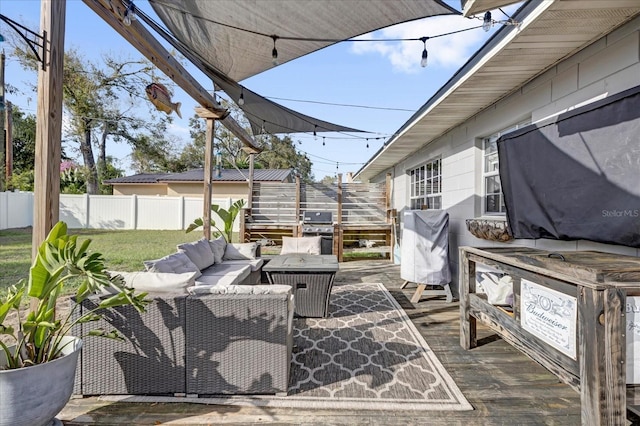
(602, 348)
(2, 116)
(298, 217)
(208, 178)
(387, 196)
(46, 194)
(251, 173)
(340, 252)
(468, 335)
(8, 124)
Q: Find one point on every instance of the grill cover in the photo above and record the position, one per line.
(424, 256)
(576, 176)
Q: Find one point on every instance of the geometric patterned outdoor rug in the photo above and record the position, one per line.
(366, 355)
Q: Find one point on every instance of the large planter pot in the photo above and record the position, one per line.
(32, 396)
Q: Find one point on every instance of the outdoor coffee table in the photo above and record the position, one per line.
(310, 275)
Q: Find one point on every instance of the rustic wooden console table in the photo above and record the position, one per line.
(568, 315)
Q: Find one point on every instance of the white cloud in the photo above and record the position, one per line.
(445, 51)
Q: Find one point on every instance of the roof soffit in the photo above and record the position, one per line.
(545, 38)
(475, 7)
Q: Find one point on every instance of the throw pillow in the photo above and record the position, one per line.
(240, 251)
(158, 282)
(176, 263)
(304, 245)
(199, 252)
(217, 247)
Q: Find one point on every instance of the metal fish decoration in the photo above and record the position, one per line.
(161, 99)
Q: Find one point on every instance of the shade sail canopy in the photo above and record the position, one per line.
(234, 36)
(231, 40)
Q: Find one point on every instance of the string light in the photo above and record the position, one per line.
(425, 54)
(323, 141)
(241, 100)
(367, 142)
(487, 22)
(129, 14)
(315, 135)
(274, 52)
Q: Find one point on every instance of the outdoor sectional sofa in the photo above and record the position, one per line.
(201, 335)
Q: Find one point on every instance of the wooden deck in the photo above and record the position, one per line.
(503, 385)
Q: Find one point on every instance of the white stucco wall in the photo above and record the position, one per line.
(608, 66)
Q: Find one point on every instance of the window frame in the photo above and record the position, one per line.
(495, 172)
(422, 190)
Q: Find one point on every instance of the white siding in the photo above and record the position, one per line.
(606, 67)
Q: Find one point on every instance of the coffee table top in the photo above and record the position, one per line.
(302, 263)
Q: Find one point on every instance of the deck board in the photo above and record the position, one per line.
(503, 385)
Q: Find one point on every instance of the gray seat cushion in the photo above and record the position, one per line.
(255, 264)
(224, 274)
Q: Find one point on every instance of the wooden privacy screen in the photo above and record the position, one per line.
(361, 212)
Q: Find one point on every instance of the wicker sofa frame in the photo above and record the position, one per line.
(193, 345)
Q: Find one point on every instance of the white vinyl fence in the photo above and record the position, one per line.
(111, 211)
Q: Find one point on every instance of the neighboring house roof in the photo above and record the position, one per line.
(549, 32)
(197, 175)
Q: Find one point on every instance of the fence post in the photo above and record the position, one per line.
(181, 213)
(4, 208)
(87, 211)
(134, 211)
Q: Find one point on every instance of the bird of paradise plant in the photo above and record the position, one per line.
(60, 258)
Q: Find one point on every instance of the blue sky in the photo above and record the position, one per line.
(386, 77)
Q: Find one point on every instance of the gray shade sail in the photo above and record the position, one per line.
(267, 116)
(233, 36)
(231, 40)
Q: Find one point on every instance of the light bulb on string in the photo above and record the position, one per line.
(241, 99)
(323, 141)
(367, 142)
(274, 52)
(315, 135)
(129, 14)
(487, 22)
(425, 54)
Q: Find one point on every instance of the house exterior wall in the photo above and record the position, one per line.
(133, 189)
(606, 67)
(195, 189)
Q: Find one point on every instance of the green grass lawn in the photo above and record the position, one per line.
(122, 250)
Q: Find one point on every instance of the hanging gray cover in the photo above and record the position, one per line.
(424, 254)
(576, 176)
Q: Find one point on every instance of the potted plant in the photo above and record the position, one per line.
(37, 371)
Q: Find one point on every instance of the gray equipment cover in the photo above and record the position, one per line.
(425, 247)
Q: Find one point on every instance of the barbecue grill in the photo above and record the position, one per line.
(315, 223)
